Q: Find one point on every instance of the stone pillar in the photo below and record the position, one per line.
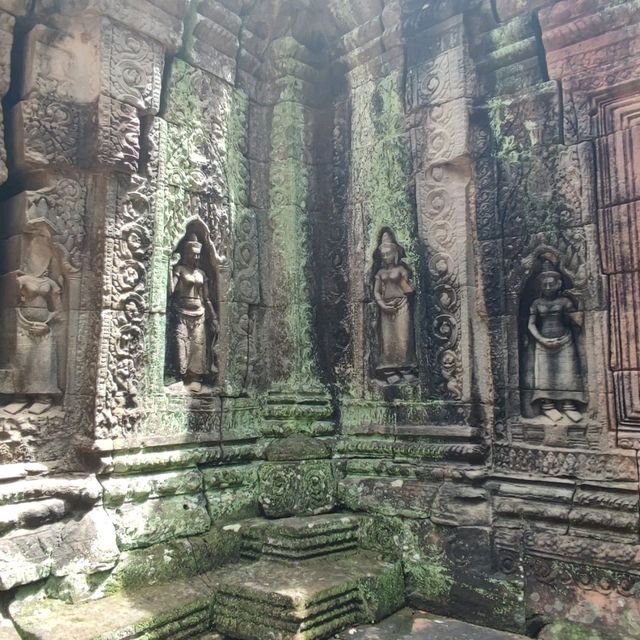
(298, 400)
(441, 85)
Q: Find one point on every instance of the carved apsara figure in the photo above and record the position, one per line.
(39, 306)
(195, 322)
(558, 387)
(393, 292)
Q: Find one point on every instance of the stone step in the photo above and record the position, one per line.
(294, 539)
(308, 600)
(179, 611)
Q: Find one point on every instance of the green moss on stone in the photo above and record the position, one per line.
(288, 215)
(508, 596)
(359, 414)
(344, 13)
(383, 155)
(571, 631)
(513, 32)
(508, 149)
(382, 594)
(173, 560)
(426, 568)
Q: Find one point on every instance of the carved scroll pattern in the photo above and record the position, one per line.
(437, 211)
(122, 353)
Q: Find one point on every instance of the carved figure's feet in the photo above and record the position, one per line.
(549, 411)
(195, 386)
(571, 411)
(206, 390)
(16, 406)
(394, 378)
(40, 406)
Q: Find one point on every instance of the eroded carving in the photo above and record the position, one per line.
(393, 293)
(34, 377)
(551, 376)
(194, 324)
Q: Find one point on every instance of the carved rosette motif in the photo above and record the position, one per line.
(586, 578)
(51, 129)
(296, 488)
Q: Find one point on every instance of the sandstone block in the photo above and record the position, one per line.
(85, 545)
(160, 20)
(7, 24)
(159, 519)
(118, 490)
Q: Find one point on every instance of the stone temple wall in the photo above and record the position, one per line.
(316, 155)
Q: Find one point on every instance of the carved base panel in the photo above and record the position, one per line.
(591, 465)
(601, 600)
(564, 433)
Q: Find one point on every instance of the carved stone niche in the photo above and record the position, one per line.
(193, 313)
(394, 344)
(35, 289)
(553, 389)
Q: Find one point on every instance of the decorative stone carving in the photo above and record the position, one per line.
(440, 203)
(40, 303)
(118, 144)
(35, 372)
(393, 293)
(131, 67)
(552, 379)
(123, 327)
(47, 132)
(6, 42)
(297, 488)
(193, 320)
(580, 464)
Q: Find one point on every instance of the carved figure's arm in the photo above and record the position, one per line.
(575, 316)
(533, 327)
(377, 294)
(211, 312)
(405, 283)
(175, 277)
(56, 298)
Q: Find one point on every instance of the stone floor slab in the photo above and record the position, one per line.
(408, 624)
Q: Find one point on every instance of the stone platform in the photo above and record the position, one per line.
(307, 600)
(178, 611)
(409, 624)
(308, 580)
(295, 538)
